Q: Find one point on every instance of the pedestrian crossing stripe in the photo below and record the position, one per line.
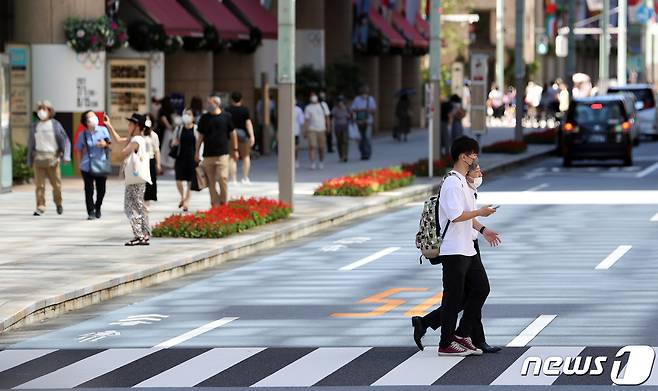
(286, 367)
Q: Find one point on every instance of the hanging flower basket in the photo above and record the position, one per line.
(95, 35)
(145, 37)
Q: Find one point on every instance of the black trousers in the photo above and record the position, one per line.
(465, 287)
(89, 181)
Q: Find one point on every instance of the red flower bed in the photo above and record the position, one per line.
(510, 146)
(220, 221)
(421, 168)
(366, 183)
(547, 136)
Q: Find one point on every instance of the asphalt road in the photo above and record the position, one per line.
(577, 275)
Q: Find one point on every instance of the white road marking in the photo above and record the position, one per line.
(531, 331)
(200, 368)
(193, 333)
(585, 197)
(539, 187)
(654, 218)
(613, 257)
(647, 171)
(89, 368)
(513, 374)
(421, 369)
(13, 358)
(312, 368)
(370, 258)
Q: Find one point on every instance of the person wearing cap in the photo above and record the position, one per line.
(341, 116)
(139, 175)
(47, 145)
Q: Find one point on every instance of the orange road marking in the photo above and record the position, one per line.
(381, 297)
(421, 309)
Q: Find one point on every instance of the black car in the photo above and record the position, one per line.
(599, 127)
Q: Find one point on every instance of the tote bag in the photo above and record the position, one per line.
(136, 169)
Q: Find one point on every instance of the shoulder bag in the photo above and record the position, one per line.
(97, 167)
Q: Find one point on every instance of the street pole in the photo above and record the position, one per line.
(435, 77)
(571, 54)
(621, 42)
(604, 45)
(519, 69)
(286, 81)
(500, 46)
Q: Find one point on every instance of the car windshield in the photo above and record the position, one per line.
(644, 95)
(606, 113)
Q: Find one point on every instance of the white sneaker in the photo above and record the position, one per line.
(233, 182)
(321, 165)
(245, 181)
(313, 166)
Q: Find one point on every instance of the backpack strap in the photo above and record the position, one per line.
(436, 211)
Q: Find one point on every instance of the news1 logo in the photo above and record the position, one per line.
(637, 369)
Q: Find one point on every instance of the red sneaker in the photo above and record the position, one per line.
(468, 344)
(455, 349)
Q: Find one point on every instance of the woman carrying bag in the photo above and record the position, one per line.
(93, 144)
(183, 146)
(155, 168)
(137, 175)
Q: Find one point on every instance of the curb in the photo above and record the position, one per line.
(266, 237)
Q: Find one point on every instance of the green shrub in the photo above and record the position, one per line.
(21, 171)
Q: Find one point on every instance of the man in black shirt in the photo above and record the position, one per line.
(245, 131)
(217, 134)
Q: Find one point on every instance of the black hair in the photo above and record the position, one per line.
(236, 96)
(465, 145)
(83, 118)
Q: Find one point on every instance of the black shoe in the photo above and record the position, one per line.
(419, 331)
(486, 348)
(60, 210)
(98, 213)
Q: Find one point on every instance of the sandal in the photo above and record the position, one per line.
(134, 242)
(143, 242)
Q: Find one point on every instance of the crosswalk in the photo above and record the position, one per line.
(286, 367)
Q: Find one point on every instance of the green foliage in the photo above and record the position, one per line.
(85, 35)
(342, 77)
(21, 172)
(308, 79)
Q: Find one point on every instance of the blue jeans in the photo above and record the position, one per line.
(365, 147)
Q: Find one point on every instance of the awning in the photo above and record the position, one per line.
(378, 22)
(254, 14)
(417, 40)
(423, 27)
(228, 25)
(172, 16)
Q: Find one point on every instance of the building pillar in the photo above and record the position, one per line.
(411, 78)
(189, 73)
(369, 67)
(338, 44)
(235, 72)
(390, 82)
(42, 21)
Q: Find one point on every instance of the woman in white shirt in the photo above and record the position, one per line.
(136, 172)
(155, 168)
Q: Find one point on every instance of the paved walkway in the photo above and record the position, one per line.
(49, 260)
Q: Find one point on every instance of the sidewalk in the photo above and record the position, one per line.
(53, 264)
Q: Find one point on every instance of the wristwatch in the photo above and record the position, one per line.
(482, 229)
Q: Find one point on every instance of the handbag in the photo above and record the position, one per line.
(174, 150)
(362, 116)
(136, 169)
(199, 180)
(353, 131)
(98, 168)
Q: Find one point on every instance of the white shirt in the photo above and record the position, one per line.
(456, 198)
(152, 144)
(361, 103)
(44, 137)
(299, 121)
(316, 114)
(473, 191)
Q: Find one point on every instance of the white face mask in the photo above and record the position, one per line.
(92, 122)
(43, 114)
(477, 182)
(314, 99)
(187, 119)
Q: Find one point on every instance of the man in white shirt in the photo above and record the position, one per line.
(317, 123)
(461, 266)
(297, 125)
